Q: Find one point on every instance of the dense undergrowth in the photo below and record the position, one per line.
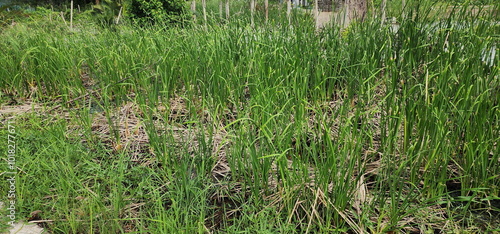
(272, 128)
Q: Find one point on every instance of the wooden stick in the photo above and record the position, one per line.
(119, 15)
(193, 9)
(62, 16)
(266, 5)
(227, 10)
(71, 16)
(220, 9)
(204, 6)
(252, 9)
(384, 3)
(403, 8)
(289, 10)
(316, 12)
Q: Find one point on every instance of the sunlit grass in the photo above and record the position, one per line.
(277, 128)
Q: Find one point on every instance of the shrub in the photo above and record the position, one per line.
(159, 11)
(107, 12)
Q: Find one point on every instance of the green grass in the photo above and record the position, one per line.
(272, 128)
